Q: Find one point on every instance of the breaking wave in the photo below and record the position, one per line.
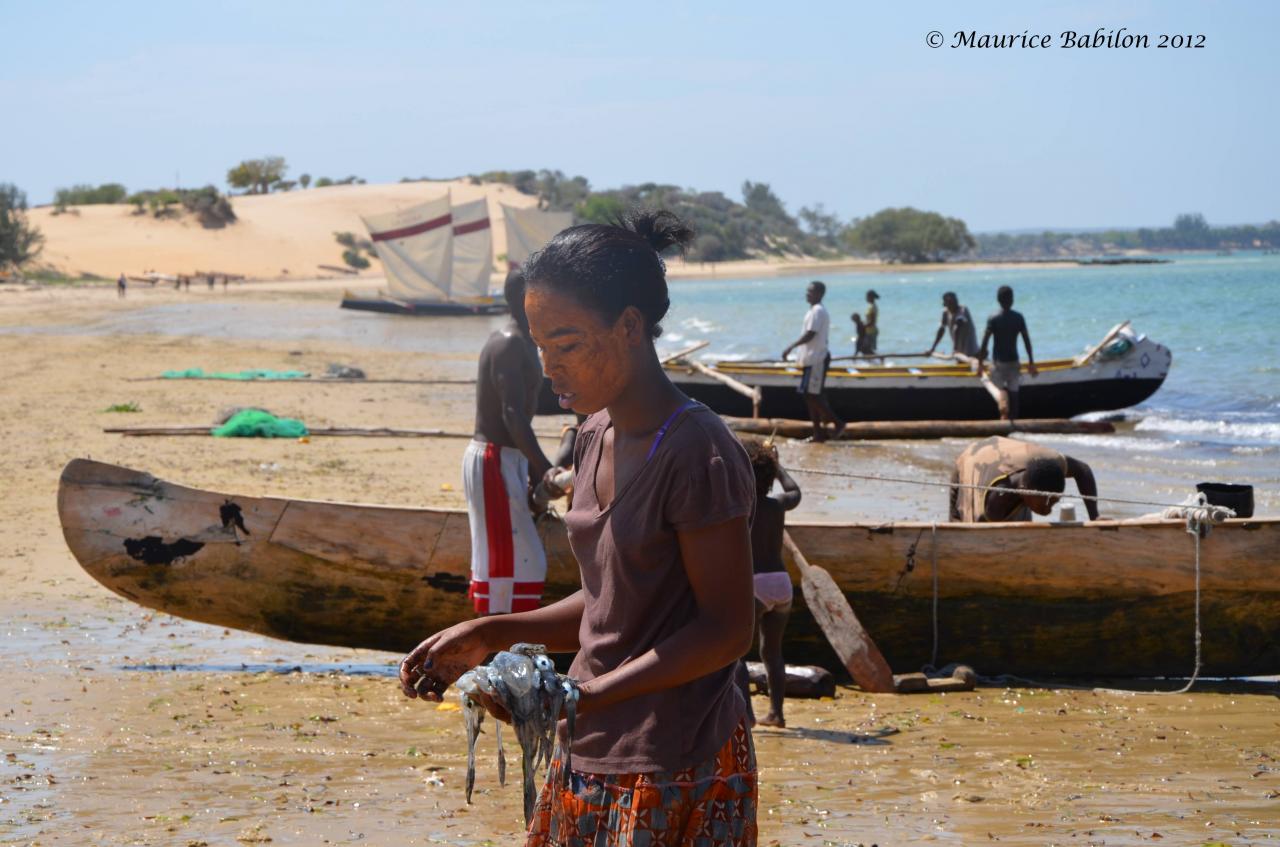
(1243, 430)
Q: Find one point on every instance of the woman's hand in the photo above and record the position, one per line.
(436, 663)
(554, 482)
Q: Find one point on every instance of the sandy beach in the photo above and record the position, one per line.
(124, 726)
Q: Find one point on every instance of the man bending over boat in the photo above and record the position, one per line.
(997, 466)
(508, 564)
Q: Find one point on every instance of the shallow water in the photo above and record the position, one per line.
(1217, 418)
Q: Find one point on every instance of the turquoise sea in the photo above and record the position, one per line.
(1217, 417)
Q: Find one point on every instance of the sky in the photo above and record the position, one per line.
(840, 103)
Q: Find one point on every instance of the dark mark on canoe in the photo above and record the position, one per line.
(232, 516)
(152, 550)
(445, 581)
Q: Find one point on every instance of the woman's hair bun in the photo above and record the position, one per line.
(612, 266)
(661, 229)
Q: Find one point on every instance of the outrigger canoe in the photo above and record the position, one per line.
(1123, 370)
(1098, 599)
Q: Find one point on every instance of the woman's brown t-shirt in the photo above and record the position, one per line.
(637, 593)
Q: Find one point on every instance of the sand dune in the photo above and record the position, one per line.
(289, 236)
(277, 236)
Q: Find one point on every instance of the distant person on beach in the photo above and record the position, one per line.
(815, 357)
(508, 563)
(773, 590)
(957, 322)
(995, 465)
(660, 526)
(1005, 326)
(868, 330)
(122, 286)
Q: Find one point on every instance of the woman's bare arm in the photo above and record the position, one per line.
(790, 496)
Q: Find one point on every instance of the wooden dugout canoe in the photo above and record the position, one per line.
(1104, 599)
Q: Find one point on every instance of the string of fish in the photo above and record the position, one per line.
(1199, 514)
(523, 680)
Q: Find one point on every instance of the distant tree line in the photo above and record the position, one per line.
(758, 225)
(210, 207)
(1189, 232)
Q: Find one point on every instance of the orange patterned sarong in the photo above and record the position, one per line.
(712, 804)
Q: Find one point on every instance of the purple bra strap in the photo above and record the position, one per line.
(662, 430)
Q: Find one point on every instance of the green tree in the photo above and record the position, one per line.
(355, 260)
(819, 222)
(600, 209)
(304, 180)
(910, 236)
(759, 198)
(20, 241)
(258, 176)
(88, 195)
(1191, 231)
(323, 182)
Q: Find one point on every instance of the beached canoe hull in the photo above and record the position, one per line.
(1112, 599)
(914, 392)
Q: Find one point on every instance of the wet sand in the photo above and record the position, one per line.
(123, 726)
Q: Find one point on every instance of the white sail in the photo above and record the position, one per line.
(472, 250)
(529, 230)
(416, 249)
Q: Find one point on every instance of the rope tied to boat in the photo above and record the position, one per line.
(1032, 491)
(1199, 514)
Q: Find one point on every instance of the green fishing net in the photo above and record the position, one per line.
(255, 423)
(251, 374)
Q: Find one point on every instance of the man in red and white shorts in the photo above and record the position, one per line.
(508, 562)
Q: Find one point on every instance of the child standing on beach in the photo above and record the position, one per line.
(773, 589)
(660, 525)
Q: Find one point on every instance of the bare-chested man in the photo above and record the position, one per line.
(996, 468)
(508, 564)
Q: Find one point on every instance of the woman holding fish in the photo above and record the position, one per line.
(663, 497)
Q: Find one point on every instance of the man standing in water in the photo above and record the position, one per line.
(957, 321)
(815, 356)
(508, 563)
(1005, 326)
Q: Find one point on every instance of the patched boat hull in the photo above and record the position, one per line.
(1104, 599)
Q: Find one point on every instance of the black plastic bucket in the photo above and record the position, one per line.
(1237, 497)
